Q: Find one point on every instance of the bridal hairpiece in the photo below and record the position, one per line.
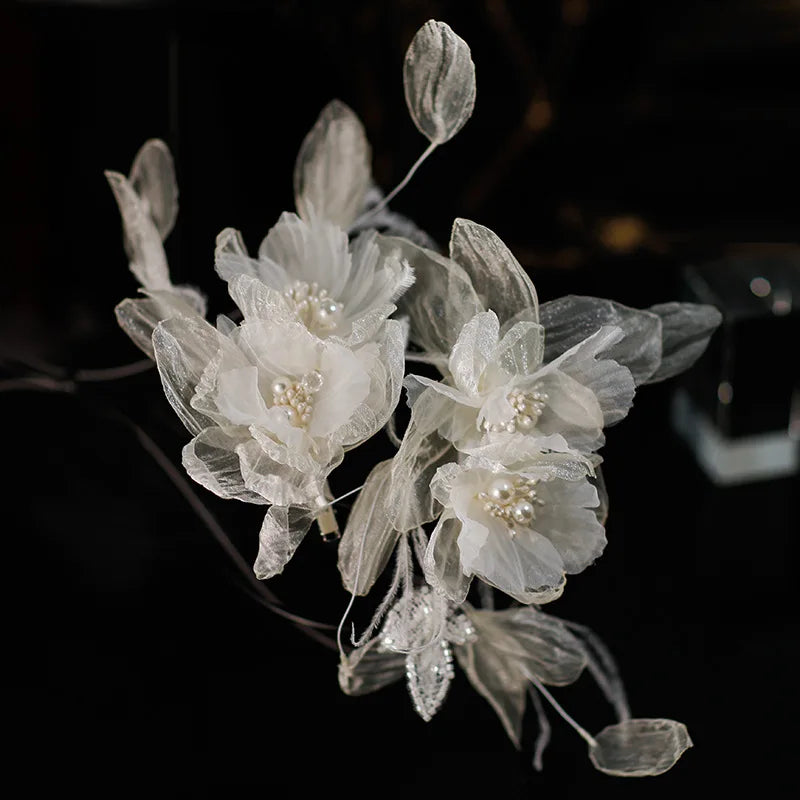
(494, 494)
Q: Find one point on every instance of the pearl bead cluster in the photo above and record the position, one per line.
(513, 501)
(528, 407)
(314, 307)
(297, 397)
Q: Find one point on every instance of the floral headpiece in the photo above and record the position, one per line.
(495, 486)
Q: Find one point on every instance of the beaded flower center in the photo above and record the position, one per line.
(528, 407)
(296, 397)
(513, 501)
(314, 307)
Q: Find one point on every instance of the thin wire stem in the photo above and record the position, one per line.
(367, 215)
(553, 702)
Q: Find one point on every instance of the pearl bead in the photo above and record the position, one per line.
(280, 385)
(522, 511)
(329, 310)
(292, 415)
(524, 422)
(501, 489)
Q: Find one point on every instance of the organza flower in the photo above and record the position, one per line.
(335, 288)
(271, 406)
(521, 532)
(500, 391)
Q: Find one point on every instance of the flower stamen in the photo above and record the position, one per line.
(528, 407)
(314, 307)
(512, 501)
(296, 397)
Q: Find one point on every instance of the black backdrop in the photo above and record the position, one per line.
(612, 142)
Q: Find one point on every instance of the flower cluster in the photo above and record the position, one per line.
(496, 482)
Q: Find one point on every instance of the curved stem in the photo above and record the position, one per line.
(553, 702)
(367, 215)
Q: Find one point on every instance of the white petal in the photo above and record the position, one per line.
(152, 177)
(439, 80)
(239, 398)
(442, 562)
(332, 171)
(518, 353)
(211, 460)
(369, 538)
(473, 351)
(497, 276)
(685, 329)
(281, 533)
(138, 318)
(612, 384)
(257, 301)
(183, 347)
(637, 748)
(315, 251)
(569, 320)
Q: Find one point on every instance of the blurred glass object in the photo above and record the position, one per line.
(738, 409)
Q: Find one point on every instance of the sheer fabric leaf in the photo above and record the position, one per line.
(152, 177)
(439, 81)
(281, 533)
(332, 173)
(637, 748)
(369, 538)
(498, 278)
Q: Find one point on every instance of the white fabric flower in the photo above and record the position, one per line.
(521, 532)
(501, 394)
(272, 407)
(335, 288)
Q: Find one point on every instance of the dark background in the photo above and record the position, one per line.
(612, 144)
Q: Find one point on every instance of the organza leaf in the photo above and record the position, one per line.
(499, 279)
(332, 172)
(429, 673)
(441, 301)
(152, 177)
(685, 331)
(281, 533)
(141, 238)
(637, 748)
(539, 644)
(439, 80)
(367, 669)
(410, 503)
(500, 683)
(369, 538)
(569, 320)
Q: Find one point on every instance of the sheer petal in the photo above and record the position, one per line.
(281, 533)
(569, 320)
(314, 251)
(211, 460)
(473, 350)
(442, 562)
